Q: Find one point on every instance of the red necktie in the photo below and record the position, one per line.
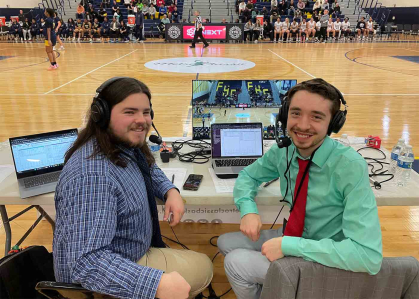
(295, 224)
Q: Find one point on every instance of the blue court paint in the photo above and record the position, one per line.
(242, 115)
(414, 59)
(274, 114)
(5, 57)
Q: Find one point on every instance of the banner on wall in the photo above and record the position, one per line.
(211, 32)
(173, 31)
(2, 21)
(14, 18)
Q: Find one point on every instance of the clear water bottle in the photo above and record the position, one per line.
(395, 155)
(404, 166)
(344, 140)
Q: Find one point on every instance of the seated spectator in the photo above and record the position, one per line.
(274, 3)
(152, 11)
(301, 6)
(104, 32)
(114, 30)
(285, 30)
(160, 3)
(224, 21)
(274, 14)
(361, 28)
(62, 30)
(336, 28)
(171, 8)
(165, 20)
(298, 16)
(34, 29)
(162, 11)
(26, 29)
(246, 15)
(79, 29)
(96, 28)
(257, 29)
(291, 8)
(102, 14)
(123, 32)
(248, 30)
(277, 29)
(114, 8)
(175, 16)
(265, 13)
(370, 28)
(118, 16)
(317, 6)
(168, 3)
(282, 7)
(311, 28)
(106, 3)
(146, 11)
(71, 26)
(80, 12)
(316, 16)
(325, 6)
(16, 30)
(336, 11)
(127, 3)
(294, 30)
(268, 30)
(303, 30)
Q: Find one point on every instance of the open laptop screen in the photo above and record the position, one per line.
(41, 153)
(237, 140)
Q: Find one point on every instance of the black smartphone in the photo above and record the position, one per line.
(192, 182)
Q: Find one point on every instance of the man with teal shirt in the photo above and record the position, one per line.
(334, 218)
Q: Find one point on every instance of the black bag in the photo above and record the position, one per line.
(21, 271)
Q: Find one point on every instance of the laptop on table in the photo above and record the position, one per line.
(235, 146)
(39, 160)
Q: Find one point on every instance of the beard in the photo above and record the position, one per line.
(125, 141)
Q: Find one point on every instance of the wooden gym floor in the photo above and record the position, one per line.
(379, 82)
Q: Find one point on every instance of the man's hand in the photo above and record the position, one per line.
(250, 226)
(272, 249)
(173, 286)
(174, 204)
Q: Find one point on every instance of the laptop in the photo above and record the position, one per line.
(235, 146)
(39, 160)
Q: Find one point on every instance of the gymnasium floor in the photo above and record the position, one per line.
(380, 82)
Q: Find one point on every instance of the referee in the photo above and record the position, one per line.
(198, 31)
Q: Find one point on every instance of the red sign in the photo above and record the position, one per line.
(131, 20)
(2, 21)
(14, 18)
(210, 32)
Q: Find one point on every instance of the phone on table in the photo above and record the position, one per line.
(192, 182)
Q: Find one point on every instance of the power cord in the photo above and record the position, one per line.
(377, 172)
(201, 154)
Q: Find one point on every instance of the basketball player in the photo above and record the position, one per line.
(329, 27)
(285, 29)
(50, 38)
(370, 28)
(277, 30)
(79, 29)
(336, 28)
(95, 28)
(294, 28)
(346, 28)
(57, 25)
(87, 27)
(198, 31)
(311, 28)
(360, 28)
(303, 30)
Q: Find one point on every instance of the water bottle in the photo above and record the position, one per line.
(153, 147)
(404, 166)
(344, 140)
(395, 155)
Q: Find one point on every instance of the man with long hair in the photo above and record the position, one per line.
(107, 236)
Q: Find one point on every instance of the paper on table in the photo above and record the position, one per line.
(179, 173)
(356, 140)
(222, 185)
(5, 171)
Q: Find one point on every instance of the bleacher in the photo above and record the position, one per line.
(150, 26)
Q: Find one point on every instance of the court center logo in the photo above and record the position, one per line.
(202, 65)
(235, 32)
(174, 32)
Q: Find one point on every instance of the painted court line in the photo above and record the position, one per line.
(90, 72)
(292, 64)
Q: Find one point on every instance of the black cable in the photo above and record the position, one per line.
(375, 172)
(200, 156)
(184, 246)
(211, 241)
(277, 216)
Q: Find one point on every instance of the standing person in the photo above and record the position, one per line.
(198, 31)
(50, 38)
(57, 24)
(139, 25)
(323, 29)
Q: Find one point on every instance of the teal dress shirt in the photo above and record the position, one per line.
(341, 227)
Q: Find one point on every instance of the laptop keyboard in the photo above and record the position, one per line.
(41, 179)
(234, 162)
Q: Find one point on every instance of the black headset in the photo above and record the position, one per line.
(335, 124)
(100, 111)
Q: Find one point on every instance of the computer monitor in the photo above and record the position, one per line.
(236, 101)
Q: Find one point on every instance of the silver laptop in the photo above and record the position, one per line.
(235, 146)
(39, 160)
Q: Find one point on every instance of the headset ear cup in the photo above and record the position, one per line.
(106, 113)
(100, 112)
(337, 123)
(96, 111)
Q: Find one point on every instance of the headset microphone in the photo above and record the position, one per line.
(155, 139)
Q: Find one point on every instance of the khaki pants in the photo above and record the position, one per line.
(194, 267)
